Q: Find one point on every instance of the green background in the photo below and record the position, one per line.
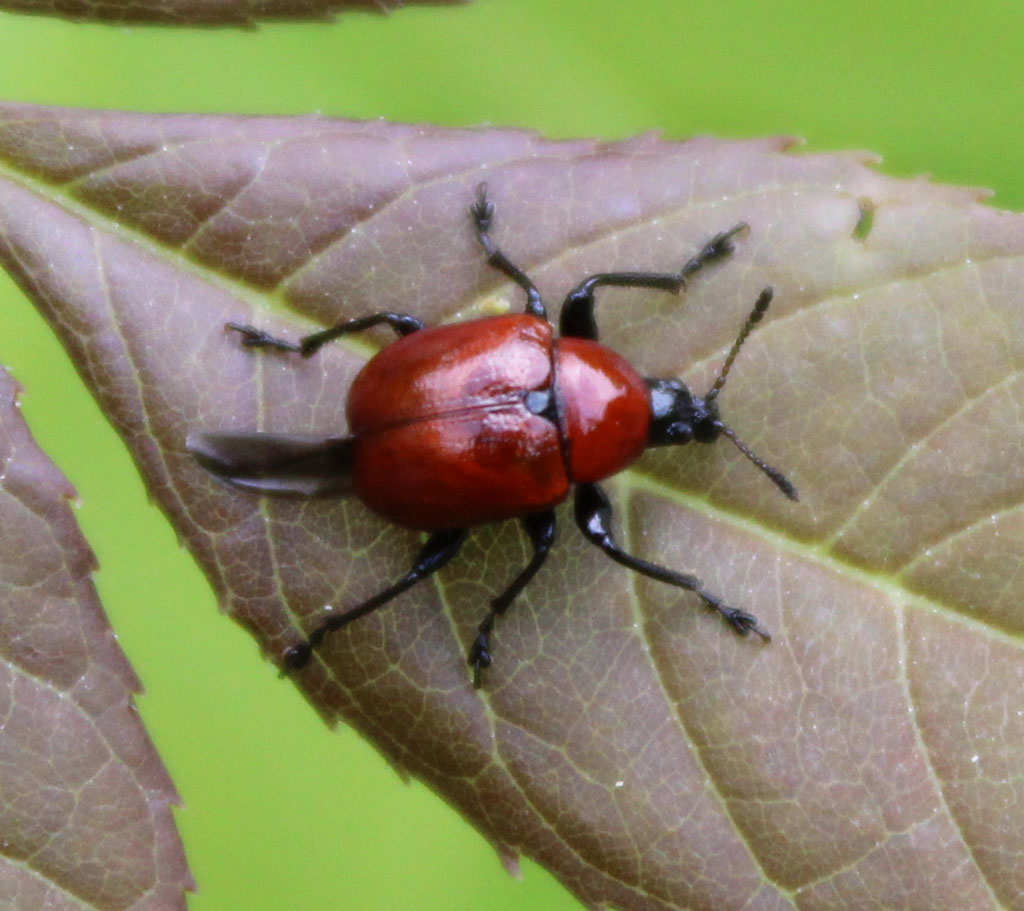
(281, 813)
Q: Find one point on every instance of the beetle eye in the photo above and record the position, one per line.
(706, 431)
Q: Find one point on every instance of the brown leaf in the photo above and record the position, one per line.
(205, 12)
(83, 795)
(627, 740)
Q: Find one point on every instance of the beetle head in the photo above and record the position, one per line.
(678, 416)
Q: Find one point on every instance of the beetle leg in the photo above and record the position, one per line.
(483, 212)
(440, 548)
(577, 317)
(540, 526)
(308, 345)
(594, 515)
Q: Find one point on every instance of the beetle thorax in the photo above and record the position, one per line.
(604, 408)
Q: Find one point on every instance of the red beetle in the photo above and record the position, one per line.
(488, 420)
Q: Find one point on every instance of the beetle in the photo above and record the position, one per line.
(486, 420)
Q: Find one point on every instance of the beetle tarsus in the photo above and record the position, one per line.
(296, 658)
(479, 658)
(742, 622)
(258, 338)
(482, 210)
(719, 247)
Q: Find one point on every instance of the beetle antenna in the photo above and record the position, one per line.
(781, 481)
(763, 300)
(760, 307)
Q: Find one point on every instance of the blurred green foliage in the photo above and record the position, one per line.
(282, 814)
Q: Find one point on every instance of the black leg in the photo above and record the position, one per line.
(252, 337)
(577, 317)
(594, 516)
(541, 529)
(441, 547)
(483, 212)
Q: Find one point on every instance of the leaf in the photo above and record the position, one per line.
(624, 738)
(205, 12)
(83, 795)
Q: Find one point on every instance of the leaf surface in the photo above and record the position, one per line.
(870, 755)
(83, 795)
